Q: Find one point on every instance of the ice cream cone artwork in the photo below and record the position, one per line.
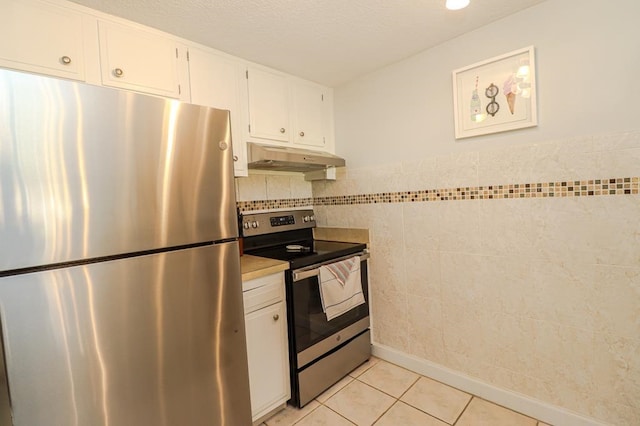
(510, 87)
(511, 100)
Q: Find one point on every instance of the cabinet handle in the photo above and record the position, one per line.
(235, 158)
(282, 130)
(302, 134)
(65, 60)
(276, 317)
(118, 72)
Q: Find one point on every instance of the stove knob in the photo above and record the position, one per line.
(313, 218)
(306, 219)
(246, 225)
(254, 224)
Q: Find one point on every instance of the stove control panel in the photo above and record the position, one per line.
(282, 220)
(252, 224)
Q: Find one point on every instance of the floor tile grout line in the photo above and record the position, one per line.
(375, 388)
(397, 399)
(329, 408)
(506, 408)
(410, 386)
(433, 416)
(464, 409)
(411, 405)
(429, 414)
(385, 412)
(300, 419)
(380, 390)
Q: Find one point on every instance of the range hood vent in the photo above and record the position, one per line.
(284, 159)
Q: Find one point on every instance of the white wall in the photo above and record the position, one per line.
(534, 295)
(588, 76)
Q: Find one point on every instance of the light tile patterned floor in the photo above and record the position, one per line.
(384, 394)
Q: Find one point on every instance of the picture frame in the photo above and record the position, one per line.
(495, 95)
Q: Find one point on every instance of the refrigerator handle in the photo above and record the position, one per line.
(5, 394)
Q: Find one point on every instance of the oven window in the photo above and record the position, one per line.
(309, 321)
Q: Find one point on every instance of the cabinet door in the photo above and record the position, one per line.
(41, 38)
(308, 107)
(136, 60)
(268, 105)
(215, 82)
(268, 358)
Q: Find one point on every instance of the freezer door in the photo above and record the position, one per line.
(88, 171)
(153, 340)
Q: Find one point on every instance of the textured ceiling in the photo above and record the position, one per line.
(328, 41)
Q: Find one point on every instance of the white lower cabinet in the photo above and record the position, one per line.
(267, 347)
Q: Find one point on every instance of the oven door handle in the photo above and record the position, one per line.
(314, 271)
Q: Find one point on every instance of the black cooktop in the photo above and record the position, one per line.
(312, 252)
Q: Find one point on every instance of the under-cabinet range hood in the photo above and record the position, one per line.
(285, 159)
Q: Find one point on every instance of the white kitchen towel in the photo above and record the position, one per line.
(340, 297)
(342, 270)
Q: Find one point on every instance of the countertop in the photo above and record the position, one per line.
(255, 267)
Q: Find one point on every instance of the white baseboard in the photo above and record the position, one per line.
(517, 402)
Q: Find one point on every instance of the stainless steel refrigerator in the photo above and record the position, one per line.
(120, 285)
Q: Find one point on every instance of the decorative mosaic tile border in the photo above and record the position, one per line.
(577, 188)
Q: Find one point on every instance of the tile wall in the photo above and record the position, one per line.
(268, 191)
(538, 292)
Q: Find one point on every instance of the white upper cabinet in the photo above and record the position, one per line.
(308, 110)
(268, 105)
(41, 38)
(62, 39)
(216, 82)
(287, 110)
(133, 59)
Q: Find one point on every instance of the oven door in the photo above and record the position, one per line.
(311, 333)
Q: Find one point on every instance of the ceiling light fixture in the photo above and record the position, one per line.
(456, 4)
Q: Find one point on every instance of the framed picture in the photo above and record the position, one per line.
(495, 95)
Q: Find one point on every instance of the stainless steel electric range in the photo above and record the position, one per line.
(321, 351)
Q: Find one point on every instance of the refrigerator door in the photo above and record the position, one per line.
(87, 171)
(151, 340)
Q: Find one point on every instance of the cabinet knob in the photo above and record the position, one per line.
(302, 134)
(282, 130)
(235, 158)
(276, 317)
(65, 60)
(118, 72)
